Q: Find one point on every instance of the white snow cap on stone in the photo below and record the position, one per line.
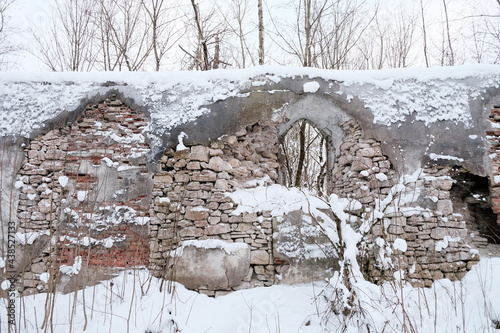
(210, 244)
(63, 180)
(44, 277)
(400, 244)
(181, 137)
(311, 87)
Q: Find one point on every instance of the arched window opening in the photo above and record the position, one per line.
(305, 157)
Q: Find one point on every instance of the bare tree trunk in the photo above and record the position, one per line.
(307, 33)
(424, 32)
(241, 36)
(154, 16)
(302, 153)
(261, 33)
(216, 61)
(201, 39)
(164, 33)
(452, 57)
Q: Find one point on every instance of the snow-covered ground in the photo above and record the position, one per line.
(133, 302)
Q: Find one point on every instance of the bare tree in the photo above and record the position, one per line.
(370, 51)
(348, 21)
(164, 30)
(66, 45)
(449, 48)
(210, 31)
(424, 32)
(237, 18)
(300, 38)
(488, 34)
(125, 39)
(304, 151)
(401, 37)
(478, 46)
(202, 56)
(6, 46)
(261, 33)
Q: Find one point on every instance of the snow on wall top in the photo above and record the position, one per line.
(27, 100)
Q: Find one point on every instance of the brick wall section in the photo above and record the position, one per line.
(189, 200)
(355, 176)
(100, 227)
(107, 130)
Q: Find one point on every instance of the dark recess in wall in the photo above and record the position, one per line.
(473, 192)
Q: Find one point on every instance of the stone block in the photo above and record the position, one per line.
(361, 163)
(445, 206)
(218, 229)
(243, 227)
(180, 164)
(181, 177)
(213, 206)
(191, 232)
(222, 184)
(38, 268)
(235, 219)
(259, 270)
(217, 164)
(216, 152)
(234, 162)
(199, 153)
(52, 165)
(154, 247)
(214, 219)
(369, 152)
(193, 166)
(37, 216)
(440, 233)
(442, 184)
(202, 223)
(399, 220)
(46, 206)
(259, 257)
(396, 229)
(230, 139)
(193, 186)
(250, 217)
(226, 206)
(213, 267)
(204, 176)
(196, 213)
(182, 154)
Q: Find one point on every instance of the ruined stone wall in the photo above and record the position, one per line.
(426, 243)
(90, 186)
(78, 186)
(189, 201)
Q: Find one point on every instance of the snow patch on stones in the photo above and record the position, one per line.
(311, 87)
(210, 244)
